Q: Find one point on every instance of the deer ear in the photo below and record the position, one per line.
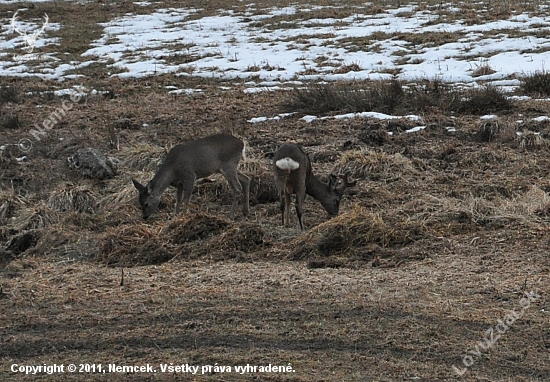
(138, 185)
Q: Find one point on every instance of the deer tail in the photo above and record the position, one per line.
(288, 164)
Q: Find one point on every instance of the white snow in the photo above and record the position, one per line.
(233, 45)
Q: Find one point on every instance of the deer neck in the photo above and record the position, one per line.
(315, 188)
(160, 182)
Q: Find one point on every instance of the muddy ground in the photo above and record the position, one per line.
(436, 268)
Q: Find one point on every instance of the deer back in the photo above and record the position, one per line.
(204, 156)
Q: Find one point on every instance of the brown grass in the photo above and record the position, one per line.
(439, 240)
(72, 198)
(370, 164)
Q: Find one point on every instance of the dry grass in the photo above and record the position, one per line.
(531, 140)
(143, 157)
(35, 216)
(10, 203)
(438, 241)
(70, 197)
(373, 165)
(489, 129)
(132, 245)
(351, 231)
(537, 83)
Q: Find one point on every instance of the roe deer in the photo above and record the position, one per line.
(219, 153)
(293, 175)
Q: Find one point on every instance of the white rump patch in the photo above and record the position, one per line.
(287, 164)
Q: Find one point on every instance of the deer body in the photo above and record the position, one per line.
(185, 163)
(294, 175)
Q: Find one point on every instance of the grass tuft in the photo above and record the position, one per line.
(72, 198)
(393, 97)
(10, 121)
(9, 94)
(537, 83)
(359, 234)
(322, 99)
(483, 100)
(488, 130)
(373, 165)
(531, 140)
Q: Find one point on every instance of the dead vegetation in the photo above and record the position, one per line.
(72, 198)
(357, 234)
(489, 129)
(437, 212)
(537, 83)
(374, 165)
(395, 97)
(444, 234)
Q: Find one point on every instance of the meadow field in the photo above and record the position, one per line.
(436, 269)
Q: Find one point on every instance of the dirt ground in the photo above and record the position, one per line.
(436, 269)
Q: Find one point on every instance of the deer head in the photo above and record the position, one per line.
(331, 201)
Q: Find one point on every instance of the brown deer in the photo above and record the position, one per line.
(219, 153)
(293, 175)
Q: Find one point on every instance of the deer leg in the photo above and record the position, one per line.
(299, 203)
(287, 208)
(237, 189)
(179, 196)
(245, 183)
(282, 206)
(183, 195)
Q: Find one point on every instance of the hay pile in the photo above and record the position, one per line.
(64, 243)
(526, 207)
(446, 216)
(189, 236)
(244, 237)
(9, 204)
(37, 216)
(198, 227)
(356, 235)
(373, 165)
(132, 245)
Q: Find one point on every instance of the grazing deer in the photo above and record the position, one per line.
(293, 175)
(219, 153)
